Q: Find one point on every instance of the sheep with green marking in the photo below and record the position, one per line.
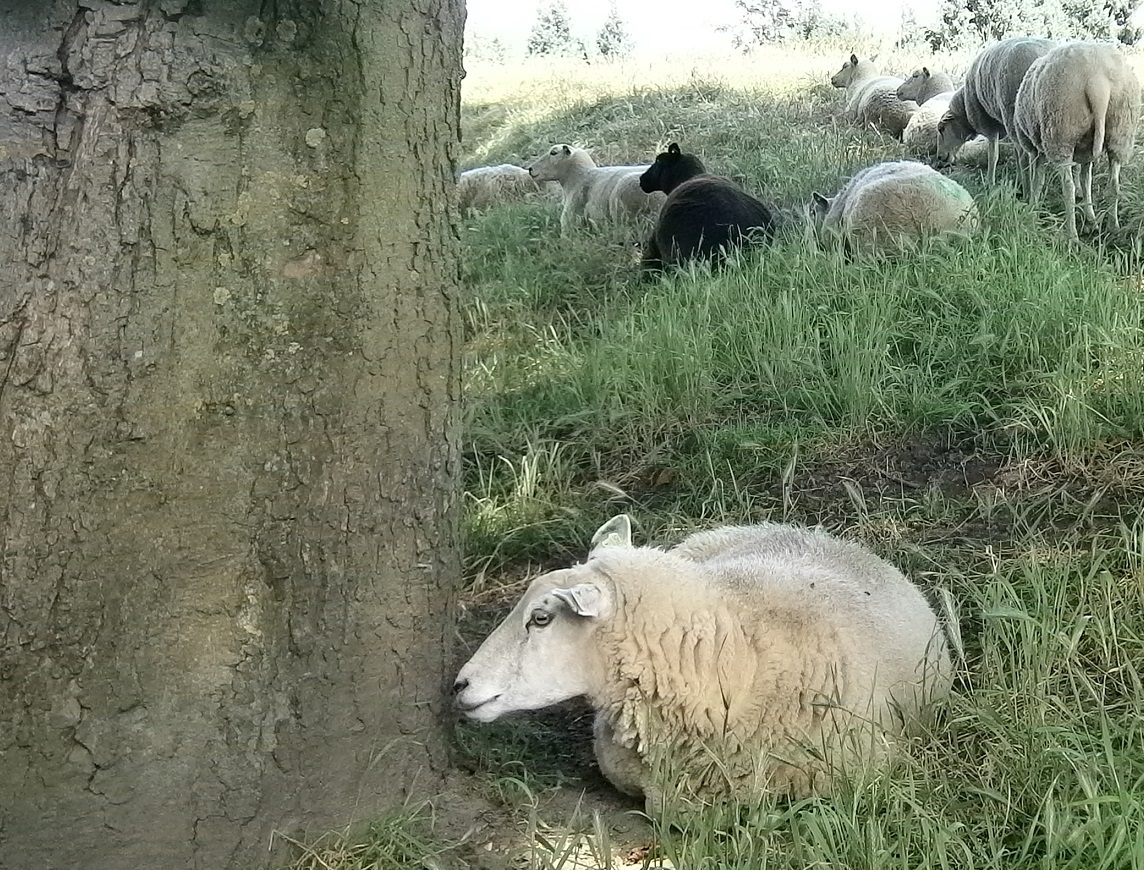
(889, 205)
(747, 659)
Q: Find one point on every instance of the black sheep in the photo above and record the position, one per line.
(704, 216)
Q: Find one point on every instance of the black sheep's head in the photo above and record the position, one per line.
(671, 169)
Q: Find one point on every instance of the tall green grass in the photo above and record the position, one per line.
(586, 383)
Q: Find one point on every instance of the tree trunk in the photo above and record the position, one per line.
(228, 454)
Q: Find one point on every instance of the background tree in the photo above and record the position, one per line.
(971, 22)
(613, 39)
(227, 430)
(551, 33)
(762, 22)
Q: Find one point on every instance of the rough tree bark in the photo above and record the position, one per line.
(228, 368)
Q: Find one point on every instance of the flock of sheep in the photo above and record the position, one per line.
(1063, 105)
(771, 657)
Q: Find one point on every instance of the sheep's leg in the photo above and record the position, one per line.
(1114, 184)
(1068, 197)
(994, 150)
(1036, 178)
(1085, 173)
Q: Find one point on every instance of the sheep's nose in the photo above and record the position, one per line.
(459, 685)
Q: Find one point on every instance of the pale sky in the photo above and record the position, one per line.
(655, 28)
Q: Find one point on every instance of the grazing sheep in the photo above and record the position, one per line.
(594, 193)
(922, 85)
(486, 186)
(1077, 102)
(745, 659)
(888, 204)
(984, 104)
(871, 98)
(703, 217)
(921, 137)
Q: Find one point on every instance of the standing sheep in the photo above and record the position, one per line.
(871, 98)
(922, 85)
(594, 193)
(985, 103)
(1077, 102)
(747, 659)
(703, 217)
(888, 204)
(485, 186)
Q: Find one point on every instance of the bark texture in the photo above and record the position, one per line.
(228, 447)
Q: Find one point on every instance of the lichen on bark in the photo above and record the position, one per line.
(228, 373)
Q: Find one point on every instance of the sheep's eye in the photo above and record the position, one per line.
(540, 618)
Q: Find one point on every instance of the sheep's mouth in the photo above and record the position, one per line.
(471, 710)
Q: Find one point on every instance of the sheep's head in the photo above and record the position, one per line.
(671, 168)
(845, 76)
(819, 206)
(915, 86)
(953, 130)
(547, 167)
(544, 651)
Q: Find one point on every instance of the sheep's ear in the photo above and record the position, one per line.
(673, 149)
(583, 599)
(925, 71)
(854, 59)
(820, 199)
(616, 532)
(567, 150)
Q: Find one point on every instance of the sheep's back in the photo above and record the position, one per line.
(600, 185)
(993, 79)
(920, 135)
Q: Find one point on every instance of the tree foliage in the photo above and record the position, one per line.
(762, 22)
(552, 32)
(967, 22)
(613, 39)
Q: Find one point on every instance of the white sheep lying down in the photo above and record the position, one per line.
(485, 186)
(921, 135)
(871, 98)
(1076, 102)
(747, 659)
(887, 205)
(594, 193)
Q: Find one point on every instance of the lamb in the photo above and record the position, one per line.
(871, 98)
(1078, 101)
(984, 104)
(923, 85)
(703, 217)
(594, 193)
(486, 186)
(888, 204)
(747, 659)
